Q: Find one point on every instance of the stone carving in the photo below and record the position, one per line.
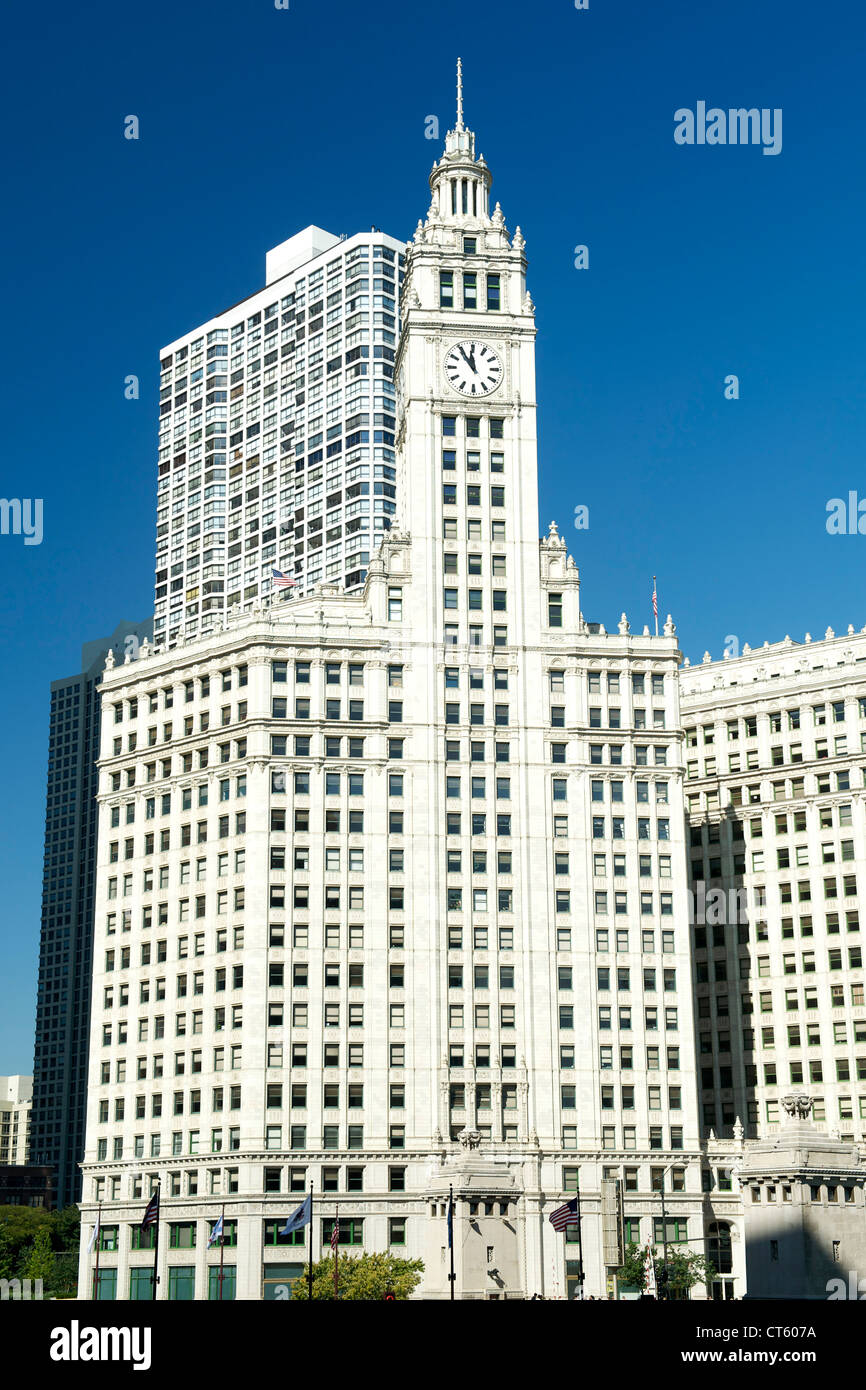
(797, 1106)
(469, 1139)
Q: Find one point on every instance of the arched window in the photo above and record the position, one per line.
(719, 1247)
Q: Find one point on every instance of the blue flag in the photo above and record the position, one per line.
(299, 1218)
(216, 1234)
(450, 1222)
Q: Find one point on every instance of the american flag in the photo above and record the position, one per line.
(335, 1244)
(283, 580)
(151, 1215)
(566, 1215)
(655, 598)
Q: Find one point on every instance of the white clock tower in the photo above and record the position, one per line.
(466, 393)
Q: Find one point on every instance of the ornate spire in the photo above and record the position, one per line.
(459, 125)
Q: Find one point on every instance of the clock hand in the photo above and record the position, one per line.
(470, 364)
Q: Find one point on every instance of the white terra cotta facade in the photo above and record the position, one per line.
(377, 869)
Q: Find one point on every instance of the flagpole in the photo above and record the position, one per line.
(98, 1243)
(222, 1247)
(337, 1254)
(664, 1234)
(154, 1278)
(310, 1270)
(451, 1237)
(579, 1244)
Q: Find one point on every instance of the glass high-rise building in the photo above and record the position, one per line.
(66, 940)
(276, 435)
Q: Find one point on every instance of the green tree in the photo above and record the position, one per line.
(362, 1277)
(19, 1227)
(20, 1230)
(66, 1229)
(66, 1238)
(685, 1268)
(8, 1255)
(39, 1263)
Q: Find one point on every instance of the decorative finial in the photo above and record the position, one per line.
(459, 94)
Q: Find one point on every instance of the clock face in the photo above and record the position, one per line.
(473, 368)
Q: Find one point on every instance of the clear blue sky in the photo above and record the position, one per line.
(255, 122)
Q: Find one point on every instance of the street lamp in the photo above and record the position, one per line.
(663, 1282)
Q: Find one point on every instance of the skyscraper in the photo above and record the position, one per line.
(406, 907)
(66, 939)
(276, 433)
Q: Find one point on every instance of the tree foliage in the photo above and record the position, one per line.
(685, 1268)
(361, 1277)
(40, 1244)
(40, 1260)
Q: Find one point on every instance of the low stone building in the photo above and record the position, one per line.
(804, 1206)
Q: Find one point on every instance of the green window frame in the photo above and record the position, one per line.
(351, 1231)
(677, 1231)
(181, 1283)
(143, 1239)
(106, 1285)
(182, 1235)
(141, 1284)
(273, 1236)
(277, 1281)
(230, 1279)
(109, 1237)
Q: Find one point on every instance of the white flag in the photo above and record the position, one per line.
(650, 1285)
(93, 1237)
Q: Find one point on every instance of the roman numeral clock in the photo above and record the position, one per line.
(473, 368)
